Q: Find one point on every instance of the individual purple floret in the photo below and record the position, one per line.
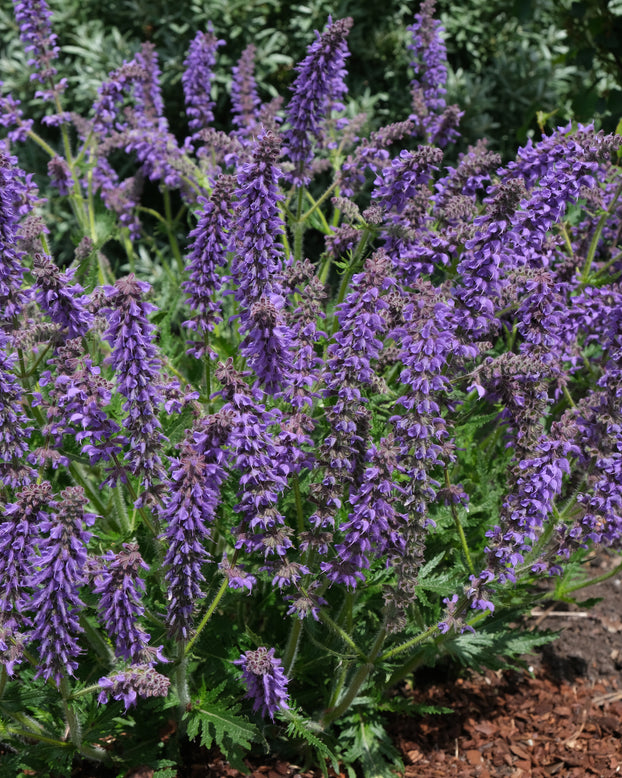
(64, 302)
(135, 360)
(208, 253)
(265, 681)
(433, 120)
(120, 586)
(60, 571)
(257, 266)
(317, 90)
(35, 30)
(197, 78)
(139, 680)
(244, 98)
(188, 509)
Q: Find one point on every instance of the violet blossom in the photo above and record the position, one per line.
(15, 428)
(188, 509)
(119, 585)
(257, 267)
(135, 360)
(64, 301)
(11, 267)
(317, 89)
(197, 78)
(138, 680)
(244, 98)
(207, 254)
(35, 30)
(19, 532)
(60, 571)
(256, 454)
(265, 680)
(433, 120)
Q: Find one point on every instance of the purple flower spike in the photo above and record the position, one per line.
(207, 254)
(197, 78)
(18, 534)
(14, 429)
(265, 681)
(60, 572)
(35, 31)
(317, 89)
(257, 267)
(433, 120)
(11, 268)
(63, 301)
(244, 98)
(137, 368)
(137, 681)
(189, 508)
(119, 585)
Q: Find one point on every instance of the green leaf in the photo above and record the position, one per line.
(372, 749)
(217, 723)
(165, 768)
(302, 728)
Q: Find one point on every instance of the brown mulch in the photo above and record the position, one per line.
(515, 726)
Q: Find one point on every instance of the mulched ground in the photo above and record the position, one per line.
(564, 719)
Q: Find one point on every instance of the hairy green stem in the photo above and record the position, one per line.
(319, 201)
(293, 641)
(210, 611)
(357, 682)
(299, 227)
(79, 476)
(300, 519)
(342, 634)
(28, 735)
(420, 638)
(172, 239)
(347, 276)
(181, 678)
(585, 274)
(593, 581)
(459, 527)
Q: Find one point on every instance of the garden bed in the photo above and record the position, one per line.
(564, 720)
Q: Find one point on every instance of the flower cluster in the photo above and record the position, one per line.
(375, 399)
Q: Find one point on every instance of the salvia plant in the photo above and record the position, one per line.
(311, 407)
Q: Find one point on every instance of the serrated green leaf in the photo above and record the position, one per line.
(165, 768)
(373, 749)
(300, 727)
(215, 722)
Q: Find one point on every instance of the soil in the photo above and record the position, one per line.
(562, 717)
